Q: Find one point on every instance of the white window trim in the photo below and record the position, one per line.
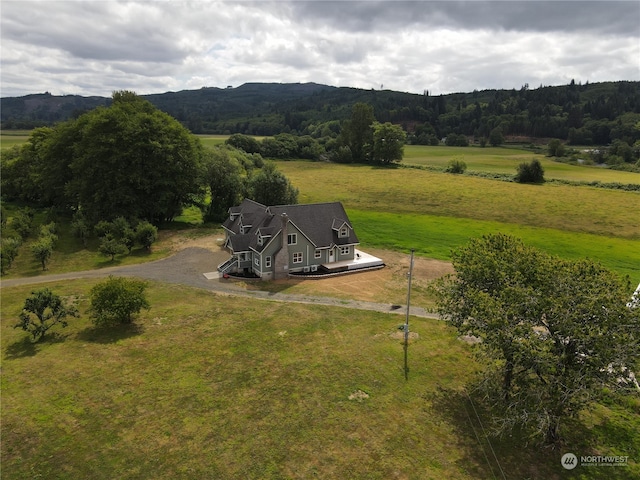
(343, 232)
(317, 254)
(299, 256)
(294, 237)
(345, 250)
(267, 262)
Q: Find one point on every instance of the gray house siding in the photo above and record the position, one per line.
(272, 242)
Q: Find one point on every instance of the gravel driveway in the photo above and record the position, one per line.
(188, 266)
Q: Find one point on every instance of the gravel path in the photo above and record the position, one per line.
(188, 266)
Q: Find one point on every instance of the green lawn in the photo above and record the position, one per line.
(434, 237)
(215, 387)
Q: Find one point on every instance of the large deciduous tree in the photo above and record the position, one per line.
(553, 332)
(388, 143)
(224, 176)
(128, 159)
(357, 132)
(134, 161)
(270, 187)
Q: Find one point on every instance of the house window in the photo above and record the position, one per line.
(267, 262)
(344, 232)
(297, 257)
(260, 241)
(345, 250)
(317, 254)
(292, 239)
(257, 261)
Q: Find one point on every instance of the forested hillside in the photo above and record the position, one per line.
(584, 114)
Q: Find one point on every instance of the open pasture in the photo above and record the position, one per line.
(406, 191)
(505, 160)
(212, 140)
(13, 137)
(217, 387)
(434, 212)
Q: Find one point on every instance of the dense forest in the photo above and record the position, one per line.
(580, 114)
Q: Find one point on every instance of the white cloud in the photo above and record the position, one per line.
(96, 47)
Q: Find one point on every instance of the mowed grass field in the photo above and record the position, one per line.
(225, 388)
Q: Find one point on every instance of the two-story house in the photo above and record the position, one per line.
(273, 242)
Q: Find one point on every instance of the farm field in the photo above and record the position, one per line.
(13, 137)
(433, 212)
(505, 160)
(214, 387)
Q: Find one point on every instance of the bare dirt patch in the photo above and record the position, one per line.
(386, 285)
(179, 240)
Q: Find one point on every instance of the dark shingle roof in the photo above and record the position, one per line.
(319, 222)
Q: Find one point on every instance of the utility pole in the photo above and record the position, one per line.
(406, 322)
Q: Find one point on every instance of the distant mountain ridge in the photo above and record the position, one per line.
(584, 113)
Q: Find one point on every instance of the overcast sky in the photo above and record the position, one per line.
(95, 47)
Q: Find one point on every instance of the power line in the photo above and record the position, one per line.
(485, 436)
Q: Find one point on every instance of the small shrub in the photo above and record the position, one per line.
(42, 250)
(22, 223)
(110, 246)
(456, 166)
(146, 234)
(8, 252)
(80, 228)
(531, 172)
(117, 300)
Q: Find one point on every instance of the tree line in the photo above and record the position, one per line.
(579, 114)
(118, 172)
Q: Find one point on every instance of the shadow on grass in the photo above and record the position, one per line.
(110, 334)
(485, 456)
(26, 348)
(517, 456)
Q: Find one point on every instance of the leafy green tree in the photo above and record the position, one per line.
(556, 148)
(22, 222)
(496, 137)
(117, 300)
(111, 246)
(388, 143)
(134, 161)
(8, 252)
(80, 228)
(531, 172)
(224, 177)
(103, 228)
(41, 311)
(123, 232)
(553, 333)
(271, 187)
(42, 250)
(146, 234)
(357, 132)
(244, 142)
(454, 140)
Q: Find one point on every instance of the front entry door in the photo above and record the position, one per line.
(332, 255)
